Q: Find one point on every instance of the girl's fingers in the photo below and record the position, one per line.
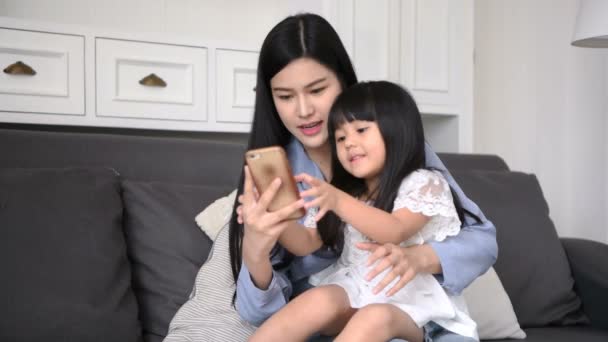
(306, 178)
(320, 214)
(312, 192)
(314, 203)
(256, 193)
(302, 177)
(240, 199)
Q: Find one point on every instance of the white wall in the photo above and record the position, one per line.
(541, 104)
(242, 21)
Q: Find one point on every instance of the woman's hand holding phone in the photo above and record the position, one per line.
(262, 228)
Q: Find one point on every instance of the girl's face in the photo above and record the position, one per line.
(303, 93)
(361, 151)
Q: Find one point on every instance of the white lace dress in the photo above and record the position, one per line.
(423, 299)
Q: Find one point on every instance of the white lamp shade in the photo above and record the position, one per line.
(591, 29)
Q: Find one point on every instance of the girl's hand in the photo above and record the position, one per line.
(404, 263)
(325, 195)
(262, 228)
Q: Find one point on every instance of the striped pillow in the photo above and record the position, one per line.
(209, 315)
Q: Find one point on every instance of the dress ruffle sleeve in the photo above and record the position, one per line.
(427, 192)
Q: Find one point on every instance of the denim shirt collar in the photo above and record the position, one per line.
(300, 162)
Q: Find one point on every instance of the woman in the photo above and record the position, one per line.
(302, 68)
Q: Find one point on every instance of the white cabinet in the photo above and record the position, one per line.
(174, 82)
(424, 45)
(41, 72)
(150, 81)
(90, 76)
(235, 87)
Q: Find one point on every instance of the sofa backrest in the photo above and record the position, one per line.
(463, 161)
(158, 158)
(144, 158)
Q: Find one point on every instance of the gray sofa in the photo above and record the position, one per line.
(99, 244)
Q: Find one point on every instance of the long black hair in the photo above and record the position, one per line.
(398, 119)
(303, 35)
(400, 124)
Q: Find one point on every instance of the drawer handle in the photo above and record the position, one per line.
(153, 81)
(19, 68)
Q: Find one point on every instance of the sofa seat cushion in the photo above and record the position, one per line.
(165, 246)
(65, 272)
(563, 334)
(531, 264)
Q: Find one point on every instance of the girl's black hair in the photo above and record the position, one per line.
(397, 116)
(400, 124)
(303, 35)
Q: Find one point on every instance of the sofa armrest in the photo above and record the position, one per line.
(588, 261)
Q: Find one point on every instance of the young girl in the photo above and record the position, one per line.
(380, 192)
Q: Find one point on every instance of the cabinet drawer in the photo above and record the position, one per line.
(41, 72)
(151, 81)
(236, 80)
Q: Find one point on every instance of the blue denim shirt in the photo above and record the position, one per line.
(463, 257)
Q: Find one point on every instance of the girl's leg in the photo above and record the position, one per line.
(380, 322)
(323, 309)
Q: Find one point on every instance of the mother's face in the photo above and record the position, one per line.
(303, 93)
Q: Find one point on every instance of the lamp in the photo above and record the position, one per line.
(591, 29)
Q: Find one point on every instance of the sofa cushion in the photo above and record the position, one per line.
(564, 334)
(65, 272)
(166, 247)
(532, 264)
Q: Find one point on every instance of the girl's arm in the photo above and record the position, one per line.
(377, 224)
(374, 223)
(300, 240)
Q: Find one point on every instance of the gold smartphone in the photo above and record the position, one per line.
(265, 165)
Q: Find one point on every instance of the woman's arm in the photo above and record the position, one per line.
(255, 305)
(300, 240)
(261, 291)
(469, 254)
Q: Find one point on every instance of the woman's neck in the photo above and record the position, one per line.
(322, 157)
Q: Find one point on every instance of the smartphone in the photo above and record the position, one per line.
(265, 165)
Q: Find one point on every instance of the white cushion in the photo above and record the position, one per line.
(490, 307)
(216, 215)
